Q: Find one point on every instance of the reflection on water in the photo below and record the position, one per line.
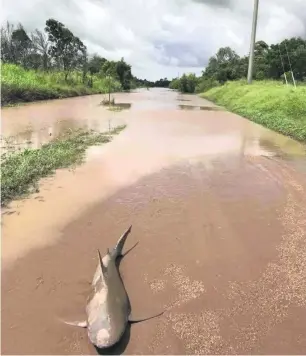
(283, 148)
(34, 124)
(182, 99)
(198, 107)
(119, 106)
(35, 138)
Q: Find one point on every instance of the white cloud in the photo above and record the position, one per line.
(162, 38)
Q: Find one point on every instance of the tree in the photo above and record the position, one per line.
(211, 69)
(109, 68)
(226, 55)
(162, 83)
(95, 64)
(22, 45)
(175, 84)
(41, 45)
(84, 60)
(261, 65)
(67, 49)
(33, 61)
(7, 49)
(16, 45)
(261, 49)
(223, 66)
(124, 74)
(185, 84)
(270, 62)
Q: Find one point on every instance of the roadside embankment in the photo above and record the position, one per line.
(269, 103)
(21, 171)
(22, 85)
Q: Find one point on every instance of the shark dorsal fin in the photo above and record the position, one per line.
(119, 246)
(103, 268)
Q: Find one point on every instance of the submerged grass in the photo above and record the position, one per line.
(269, 103)
(21, 171)
(108, 102)
(21, 85)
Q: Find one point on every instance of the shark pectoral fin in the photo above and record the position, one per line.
(81, 324)
(124, 254)
(134, 321)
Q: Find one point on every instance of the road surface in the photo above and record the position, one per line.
(217, 203)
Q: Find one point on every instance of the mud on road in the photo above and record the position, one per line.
(218, 206)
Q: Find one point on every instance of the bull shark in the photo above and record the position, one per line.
(108, 307)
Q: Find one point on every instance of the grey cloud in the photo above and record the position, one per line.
(184, 54)
(161, 38)
(222, 3)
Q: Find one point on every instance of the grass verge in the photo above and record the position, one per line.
(20, 172)
(21, 85)
(271, 104)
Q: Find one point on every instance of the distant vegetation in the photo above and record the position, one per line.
(55, 63)
(144, 83)
(270, 63)
(269, 103)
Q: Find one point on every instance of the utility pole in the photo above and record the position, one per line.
(109, 89)
(253, 38)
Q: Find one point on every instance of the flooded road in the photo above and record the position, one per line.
(217, 203)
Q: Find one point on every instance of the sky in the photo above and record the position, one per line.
(163, 38)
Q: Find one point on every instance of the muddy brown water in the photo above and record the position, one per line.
(217, 203)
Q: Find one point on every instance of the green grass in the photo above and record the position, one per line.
(21, 85)
(21, 171)
(108, 102)
(271, 104)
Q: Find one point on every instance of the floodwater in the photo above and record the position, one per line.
(195, 107)
(217, 203)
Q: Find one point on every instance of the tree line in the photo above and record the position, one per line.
(274, 62)
(161, 83)
(58, 49)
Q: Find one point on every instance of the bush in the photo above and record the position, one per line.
(21, 85)
(206, 84)
(185, 84)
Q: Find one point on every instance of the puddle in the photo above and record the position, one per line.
(34, 138)
(200, 107)
(182, 99)
(286, 149)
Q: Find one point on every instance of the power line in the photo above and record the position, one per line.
(290, 65)
(282, 64)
